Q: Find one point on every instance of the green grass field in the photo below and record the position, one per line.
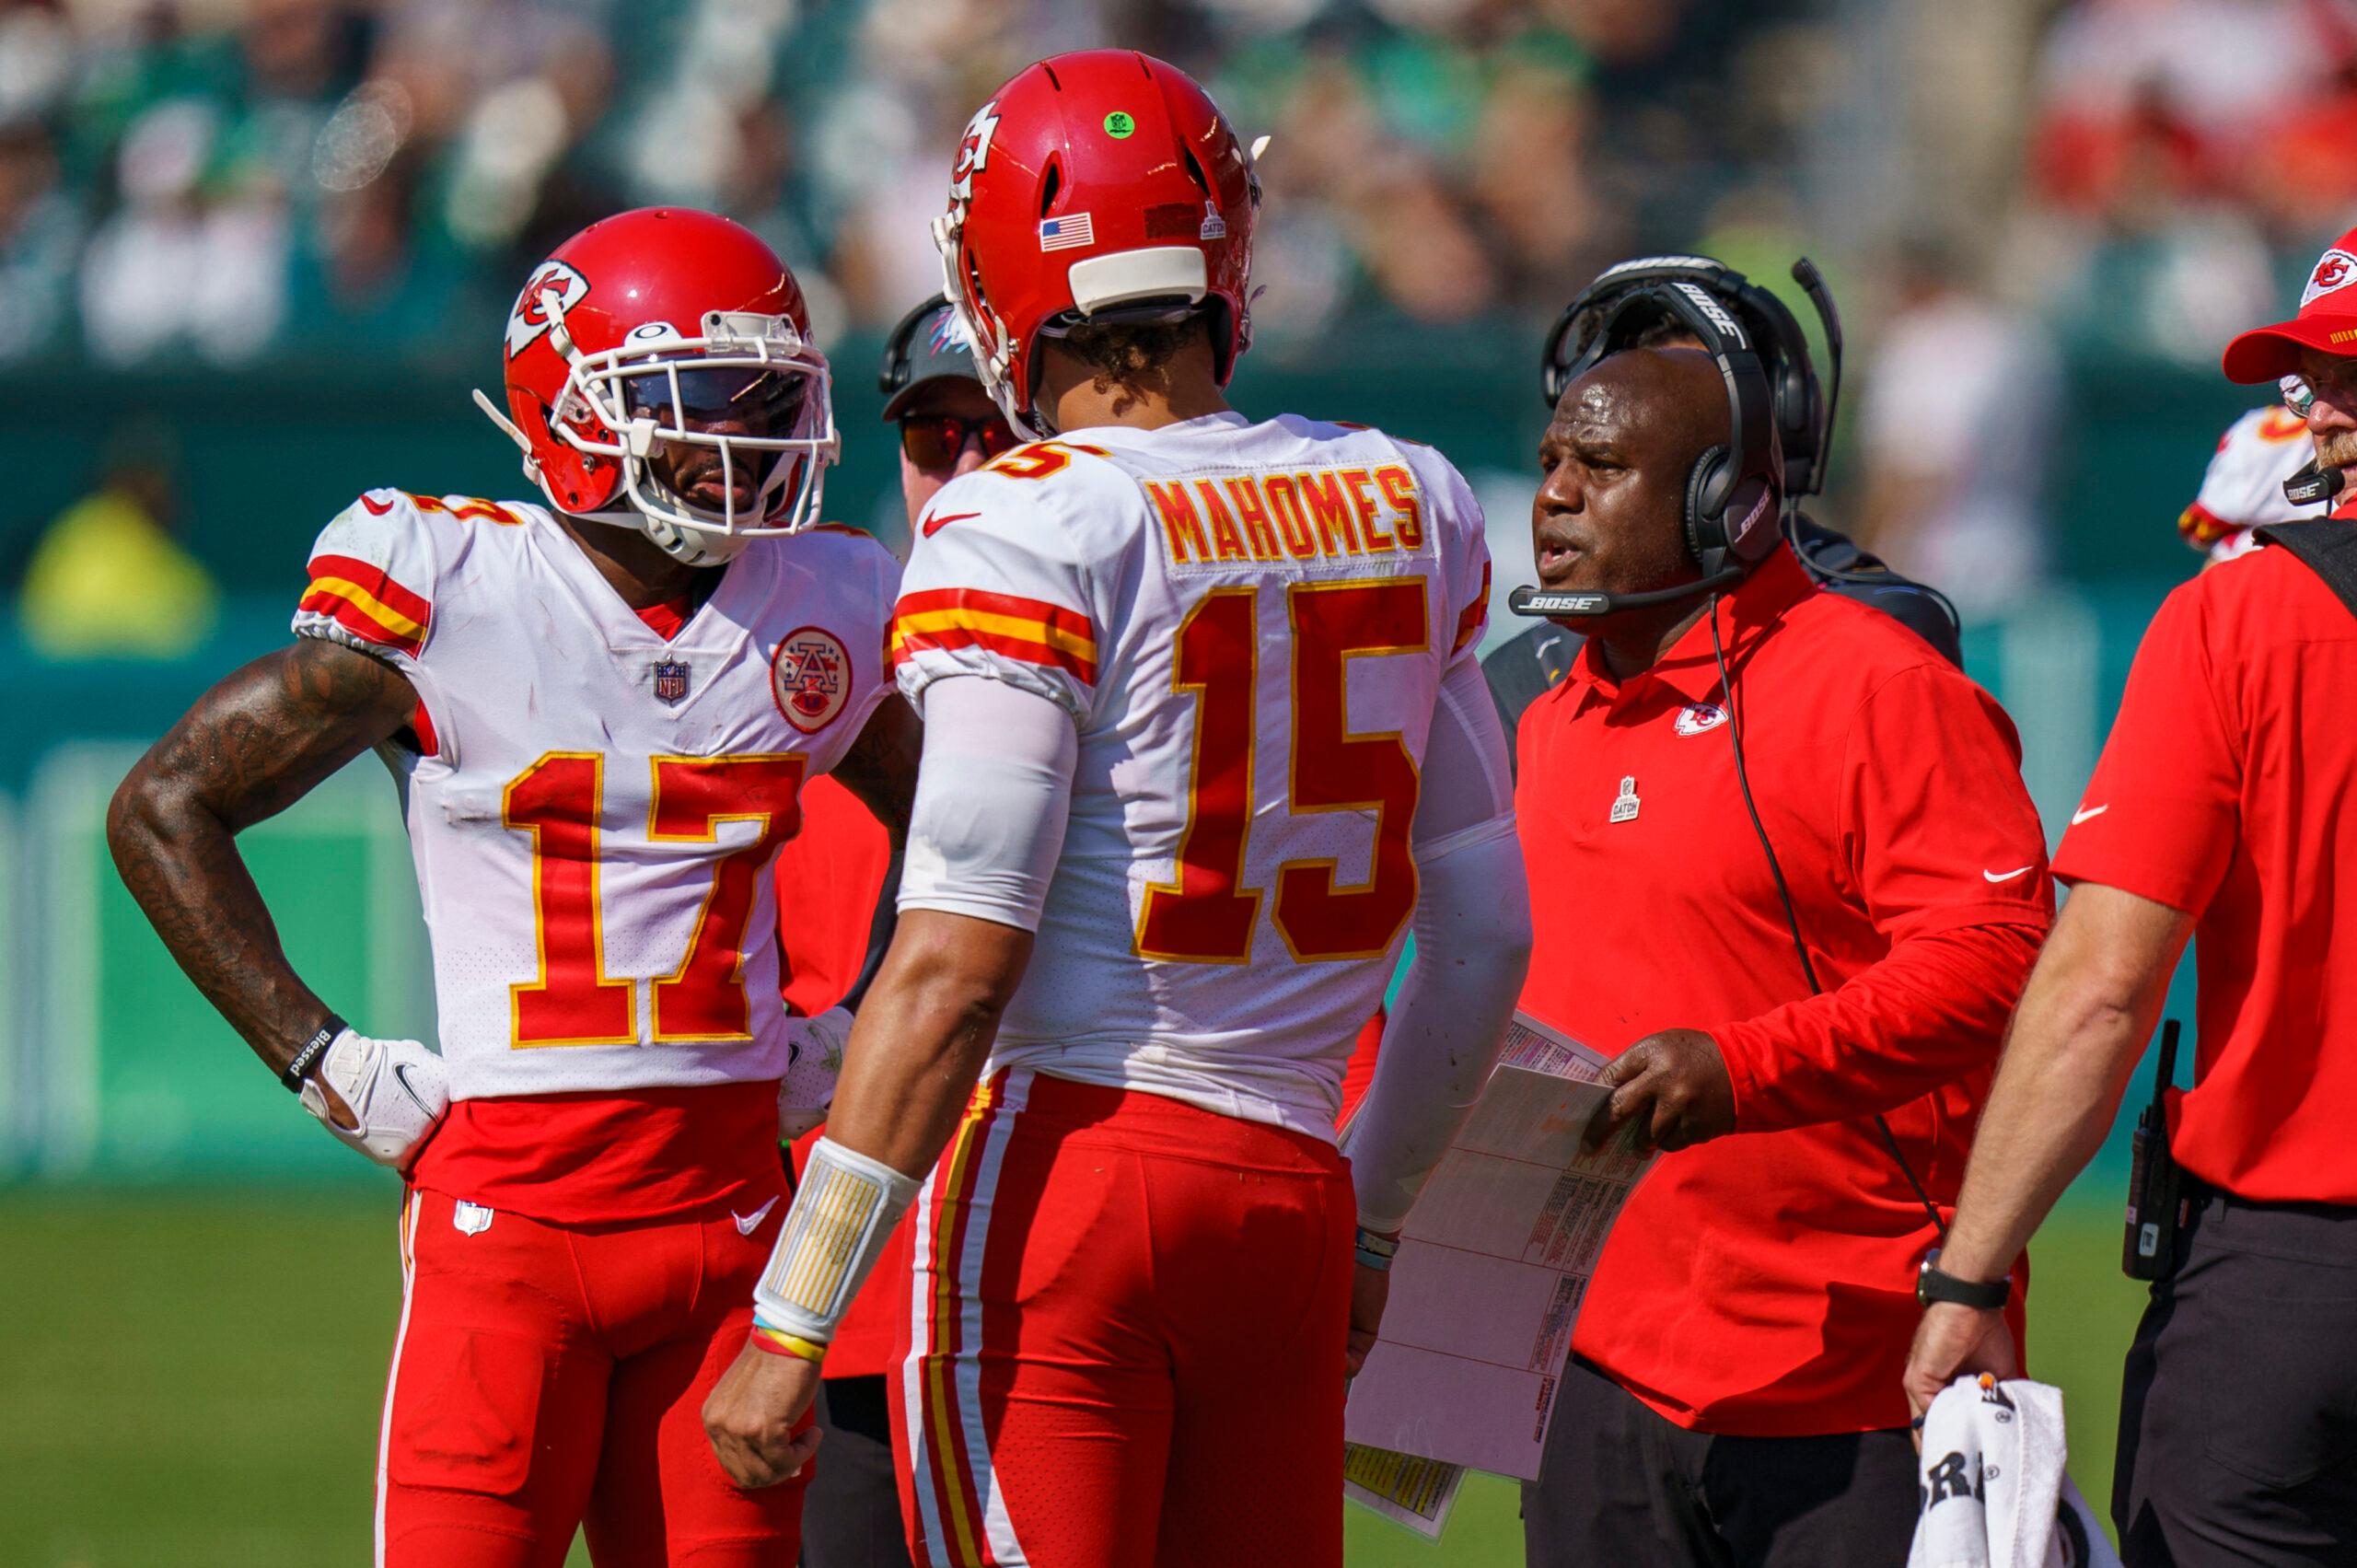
(191, 1380)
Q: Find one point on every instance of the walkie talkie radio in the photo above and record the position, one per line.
(2156, 1201)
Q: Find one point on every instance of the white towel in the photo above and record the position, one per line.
(1991, 1488)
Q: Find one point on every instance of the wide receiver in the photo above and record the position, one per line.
(1203, 718)
(600, 714)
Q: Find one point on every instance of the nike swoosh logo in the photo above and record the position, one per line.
(2092, 811)
(934, 525)
(748, 1223)
(2007, 875)
(401, 1076)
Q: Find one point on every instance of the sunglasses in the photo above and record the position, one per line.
(2338, 383)
(935, 440)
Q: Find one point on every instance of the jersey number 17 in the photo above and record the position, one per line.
(559, 800)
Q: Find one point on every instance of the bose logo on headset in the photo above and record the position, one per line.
(1702, 301)
(1742, 530)
(1647, 263)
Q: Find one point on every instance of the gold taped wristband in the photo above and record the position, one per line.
(843, 1213)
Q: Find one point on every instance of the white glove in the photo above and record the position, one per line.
(809, 1087)
(398, 1088)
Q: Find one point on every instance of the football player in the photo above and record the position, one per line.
(2244, 486)
(1205, 736)
(947, 427)
(600, 713)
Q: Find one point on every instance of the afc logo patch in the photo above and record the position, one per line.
(810, 677)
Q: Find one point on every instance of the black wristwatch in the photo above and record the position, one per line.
(1932, 1285)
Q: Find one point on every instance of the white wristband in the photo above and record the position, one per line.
(843, 1214)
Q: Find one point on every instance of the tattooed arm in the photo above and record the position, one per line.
(252, 746)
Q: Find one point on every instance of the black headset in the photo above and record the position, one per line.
(1732, 493)
(1798, 405)
(894, 373)
(1804, 409)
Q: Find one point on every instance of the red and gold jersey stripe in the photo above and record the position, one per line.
(363, 600)
(1026, 629)
(1476, 616)
(2202, 528)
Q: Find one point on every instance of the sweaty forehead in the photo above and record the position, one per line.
(1666, 399)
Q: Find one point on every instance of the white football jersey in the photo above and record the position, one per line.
(593, 810)
(1248, 625)
(2244, 486)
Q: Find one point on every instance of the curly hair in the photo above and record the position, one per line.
(1131, 356)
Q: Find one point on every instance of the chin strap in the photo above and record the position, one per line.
(523, 443)
(686, 547)
(680, 544)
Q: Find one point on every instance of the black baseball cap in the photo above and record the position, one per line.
(927, 345)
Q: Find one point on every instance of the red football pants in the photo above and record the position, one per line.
(1128, 1324)
(549, 1377)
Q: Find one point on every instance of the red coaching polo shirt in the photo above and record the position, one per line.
(1760, 1284)
(2228, 790)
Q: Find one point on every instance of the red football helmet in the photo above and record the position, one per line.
(660, 373)
(1100, 185)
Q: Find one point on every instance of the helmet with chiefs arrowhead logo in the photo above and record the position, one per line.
(1099, 186)
(661, 374)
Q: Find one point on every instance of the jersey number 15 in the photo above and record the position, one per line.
(1207, 914)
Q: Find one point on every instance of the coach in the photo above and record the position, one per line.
(1747, 790)
(2225, 805)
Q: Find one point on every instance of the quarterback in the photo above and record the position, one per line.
(1205, 736)
(600, 713)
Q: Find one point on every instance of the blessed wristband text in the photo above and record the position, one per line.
(298, 1069)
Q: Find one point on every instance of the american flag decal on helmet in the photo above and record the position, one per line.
(1067, 233)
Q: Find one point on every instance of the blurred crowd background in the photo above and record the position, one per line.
(253, 254)
(2006, 194)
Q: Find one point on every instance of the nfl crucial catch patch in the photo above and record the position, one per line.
(810, 676)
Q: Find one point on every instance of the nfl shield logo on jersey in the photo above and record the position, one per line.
(810, 676)
(671, 681)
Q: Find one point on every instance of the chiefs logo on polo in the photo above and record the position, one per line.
(810, 676)
(2337, 269)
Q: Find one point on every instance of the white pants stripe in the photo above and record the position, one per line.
(981, 1480)
(998, 1528)
(920, 1216)
(410, 1210)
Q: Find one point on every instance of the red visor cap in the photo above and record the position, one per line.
(2327, 321)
